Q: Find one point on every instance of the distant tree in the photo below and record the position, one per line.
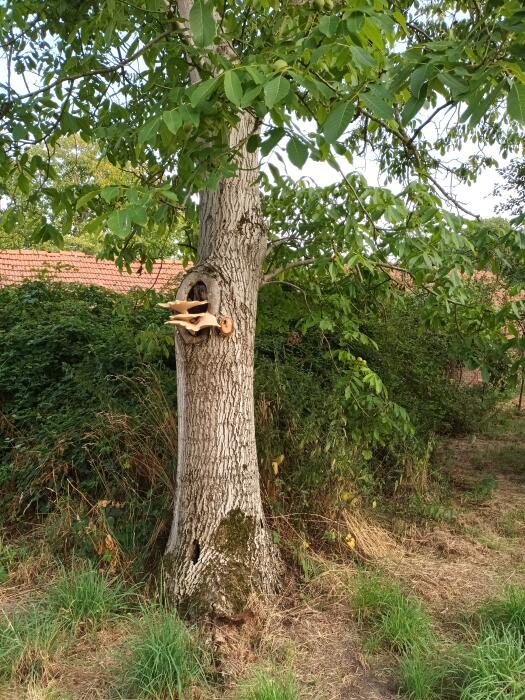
(512, 189)
(29, 216)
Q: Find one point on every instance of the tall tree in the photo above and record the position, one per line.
(194, 93)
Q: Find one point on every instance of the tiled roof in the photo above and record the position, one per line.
(67, 266)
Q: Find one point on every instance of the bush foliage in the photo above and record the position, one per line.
(88, 396)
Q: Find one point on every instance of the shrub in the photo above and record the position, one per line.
(87, 410)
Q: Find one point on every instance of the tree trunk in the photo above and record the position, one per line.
(219, 548)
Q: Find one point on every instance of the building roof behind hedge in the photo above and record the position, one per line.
(16, 266)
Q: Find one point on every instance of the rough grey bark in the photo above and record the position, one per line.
(219, 548)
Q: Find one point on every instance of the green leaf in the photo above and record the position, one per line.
(419, 80)
(23, 183)
(148, 132)
(233, 87)
(87, 197)
(202, 91)
(250, 95)
(361, 58)
(275, 91)
(138, 214)
(378, 106)
(108, 194)
(202, 24)
(337, 121)
(328, 25)
(297, 152)
(120, 222)
(411, 108)
(48, 232)
(173, 120)
(516, 102)
(274, 136)
(253, 143)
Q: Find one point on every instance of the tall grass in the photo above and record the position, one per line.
(395, 620)
(27, 643)
(495, 666)
(163, 659)
(85, 598)
(77, 601)
(489, 665)
(509, 609)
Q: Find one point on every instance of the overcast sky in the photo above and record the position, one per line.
(477, 198)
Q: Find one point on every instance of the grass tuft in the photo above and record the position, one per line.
(396, 620)
(507, 610)
(495, 666)
(163, 660)
(265, 687)
(27, 643)
(84, 598)
(420, 679)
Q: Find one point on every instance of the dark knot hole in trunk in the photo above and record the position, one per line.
(195, 551)
(198, 292)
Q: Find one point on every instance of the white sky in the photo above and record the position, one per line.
(477, 198)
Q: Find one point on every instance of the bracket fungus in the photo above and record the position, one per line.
(195, 322)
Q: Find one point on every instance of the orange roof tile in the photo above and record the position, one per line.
(68, 266)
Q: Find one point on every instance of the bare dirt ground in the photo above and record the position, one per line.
(469, 550)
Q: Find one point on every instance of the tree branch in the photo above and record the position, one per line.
(97, 71)
(290, 266)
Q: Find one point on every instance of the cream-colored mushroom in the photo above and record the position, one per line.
(181, 306)
(194, 323)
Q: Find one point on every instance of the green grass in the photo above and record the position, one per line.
(508, 610)
(267, 687)
(490, 666)
(420, 677)
(494, 668)
(84, 598)
(27, 642)
(394, 619)
(163, 660)
(511, 525)
(482, 491)
(10, 556)
(420, 508)
(505, 423)
(507, 457)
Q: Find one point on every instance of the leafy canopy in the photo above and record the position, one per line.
(331, 77)
(404, 83)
